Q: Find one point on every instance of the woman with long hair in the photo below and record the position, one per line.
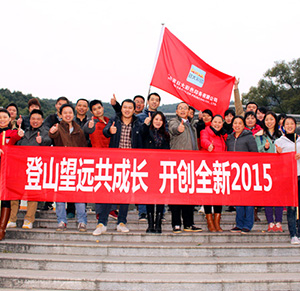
(266, 144)
(155, 136)
(290, 142)
(241, 140)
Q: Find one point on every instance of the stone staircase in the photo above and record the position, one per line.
(43, 259)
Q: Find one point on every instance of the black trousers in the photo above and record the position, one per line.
(5, 203)
(187, 213)
(217, 208)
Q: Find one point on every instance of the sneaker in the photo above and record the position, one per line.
(122, 227)
(245, 230)
(61, 226)
(193, 228)
(278, 227)
(177, 229)
(235, 229)
(99, 229)
(27, 224)
(82, 226)
(114, 214)
(295, 241)
(143, 217)
(271, 227)
(163, 219)
(70, 215)
(11, 224)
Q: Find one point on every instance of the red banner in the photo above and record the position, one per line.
(148, 176)
(183, 74)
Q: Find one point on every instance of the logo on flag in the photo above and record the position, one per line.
(196, 76)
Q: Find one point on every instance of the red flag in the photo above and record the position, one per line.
(183, 74)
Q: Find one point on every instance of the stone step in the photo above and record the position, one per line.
(143, 237)
(149, 249)
(125, 264)
(137, 225)
(133, 215)
(68, 280)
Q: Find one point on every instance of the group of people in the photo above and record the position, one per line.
(138, 126)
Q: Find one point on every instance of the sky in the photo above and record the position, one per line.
(94, 48)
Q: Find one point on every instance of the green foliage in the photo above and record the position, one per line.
(48, 105)
(279, 90)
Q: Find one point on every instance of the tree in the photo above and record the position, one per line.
(279, 90)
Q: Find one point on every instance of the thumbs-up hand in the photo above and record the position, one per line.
(20, 120)
(148, 119)
(38, 138)
(54, 128)
(181, 127)
(20, 131)
(113, 101)
(278, 149)
(113, 129)
(267, 145)
(92, 123)
(211, 147)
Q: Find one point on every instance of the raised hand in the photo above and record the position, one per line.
(92, 122)
(20, 131)
(267, 145)
(38, 138)
(20, 120)
(54, 128)
(200, 115)
(278, 149)
(181, 127)
(236, 83)
(113, 101)
(113, 129)
(211, 147)
(148, 119)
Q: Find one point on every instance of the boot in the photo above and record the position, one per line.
(158, 222)
(256, 218)
(210, 223)
(5, 213)
(150, 228)
(217, 219)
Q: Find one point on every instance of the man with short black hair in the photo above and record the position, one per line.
(56, 117)
(124, 131)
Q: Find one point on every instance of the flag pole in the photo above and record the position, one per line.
(157, 52)
(297, 208)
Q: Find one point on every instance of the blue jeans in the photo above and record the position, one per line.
(104, 210)
(244, 217)
(61, 212)
(98, 207)
(292, 217)
(142, 209)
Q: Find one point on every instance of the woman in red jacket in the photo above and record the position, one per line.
(7, 137)
(213, 139)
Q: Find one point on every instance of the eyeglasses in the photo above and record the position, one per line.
(183, 108)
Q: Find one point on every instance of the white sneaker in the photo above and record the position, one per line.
(11, 224)
(122, 227)
(99, 229)
(61, 226)
(27, 224)
(295, 241)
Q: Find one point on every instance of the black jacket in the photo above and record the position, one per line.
(136, 136)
